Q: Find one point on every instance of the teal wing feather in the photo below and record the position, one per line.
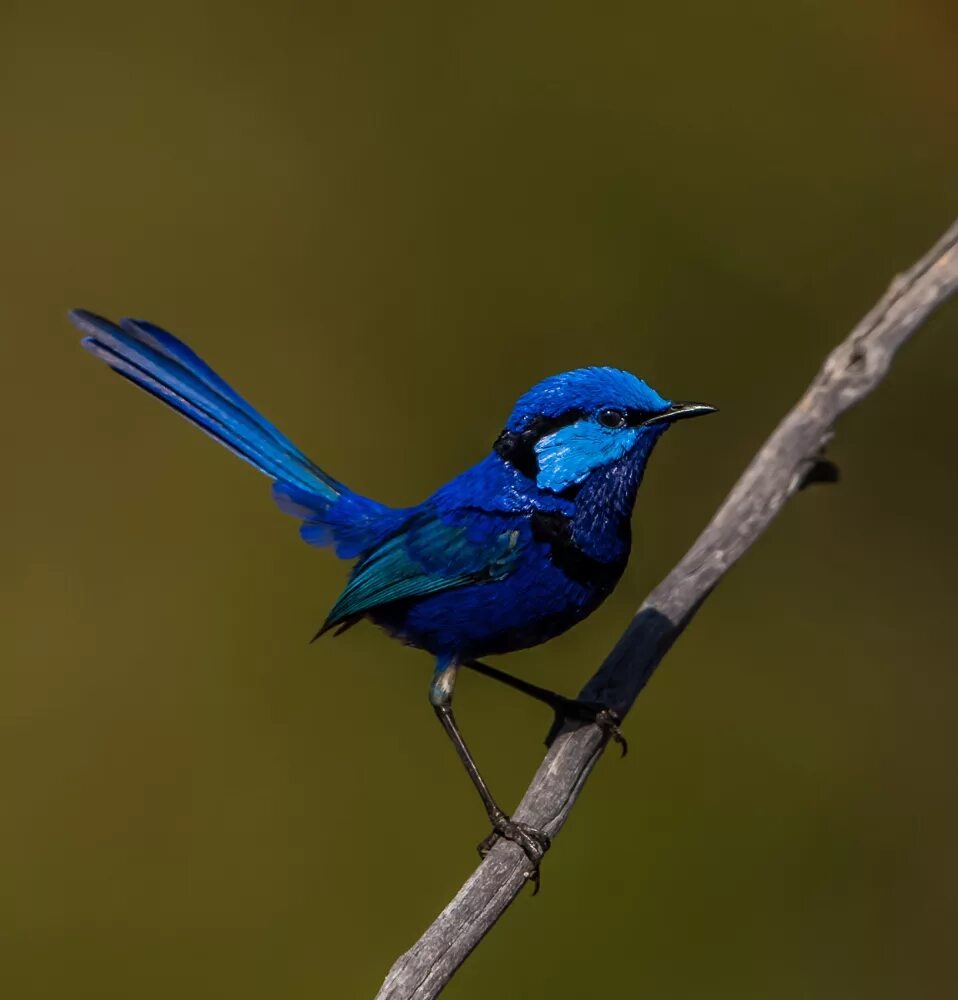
(426, 556)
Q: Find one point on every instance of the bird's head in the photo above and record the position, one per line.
(570, 425)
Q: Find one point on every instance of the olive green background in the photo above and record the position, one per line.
(383, 222)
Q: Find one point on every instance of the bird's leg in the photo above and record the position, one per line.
(534, 842)
(564, 708)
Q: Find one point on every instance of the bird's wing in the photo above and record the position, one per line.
(429, 554)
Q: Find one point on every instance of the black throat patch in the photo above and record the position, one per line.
(555, 529)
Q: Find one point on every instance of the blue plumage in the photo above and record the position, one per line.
(428, 555)
(166, 368)
(510, 553)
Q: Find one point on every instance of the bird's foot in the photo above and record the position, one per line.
(533, 842)
(588, 711)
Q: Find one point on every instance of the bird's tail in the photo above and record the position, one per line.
(166, 368)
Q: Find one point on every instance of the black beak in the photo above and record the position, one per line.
(680, 411)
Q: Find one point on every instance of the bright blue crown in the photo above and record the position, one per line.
(588, 390)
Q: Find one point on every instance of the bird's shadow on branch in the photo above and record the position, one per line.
(626, 671)
(630, 665)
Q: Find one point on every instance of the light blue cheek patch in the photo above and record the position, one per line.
(568, 456)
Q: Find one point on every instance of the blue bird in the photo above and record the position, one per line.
(510, 553)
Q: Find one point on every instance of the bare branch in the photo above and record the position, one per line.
(779, 469)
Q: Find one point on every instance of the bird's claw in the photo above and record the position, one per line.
(608, 721)
(588, 711)
(533, 842)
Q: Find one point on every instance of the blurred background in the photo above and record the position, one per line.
(382, 222)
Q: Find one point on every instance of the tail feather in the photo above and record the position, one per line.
(179, 353)
(159, 363)
(165, 367)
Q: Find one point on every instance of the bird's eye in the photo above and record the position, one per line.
(611, 418)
